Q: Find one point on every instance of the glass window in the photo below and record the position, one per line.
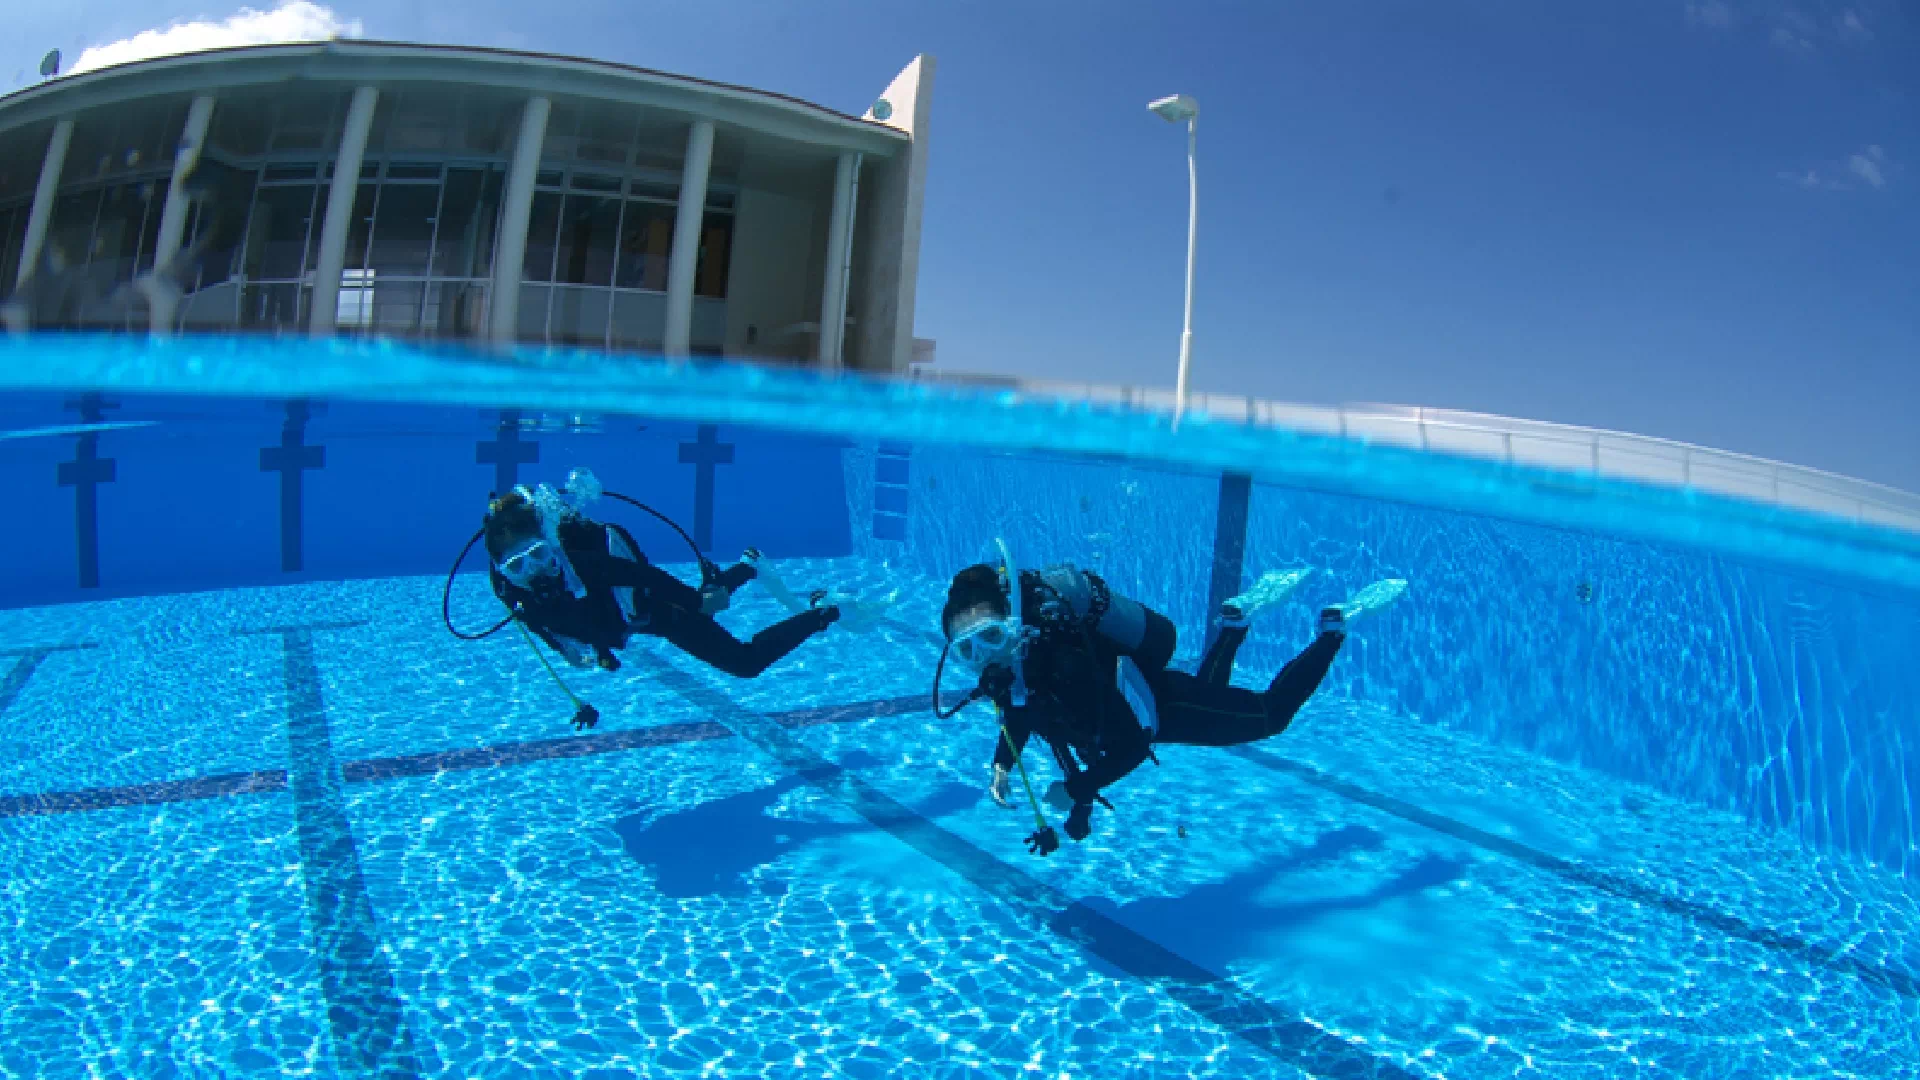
(277, 234)
(403, 229)
(396, 306)
(542, 226)
(588, 224)
(276, 306)
(154, 195)
(146, 136)
(70, 233)
(241, 125)
(563, 126)
(655, 189)
(12, 234)
(412, 170)
(468, 214)
(594, 182)
(118, 237)
(225, 219)
(358, 230)
(489, 122)
(21, 152)
(716, 251)
(646, 238)
(305, 120)
(455, 309)
(353, 304)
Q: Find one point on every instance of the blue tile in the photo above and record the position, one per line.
(890, 527)
(888, 499)
(890, 470)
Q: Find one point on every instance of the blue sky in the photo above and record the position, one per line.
(1693, 220)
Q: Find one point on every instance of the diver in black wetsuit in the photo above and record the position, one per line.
(587, 598)
(1097, 689)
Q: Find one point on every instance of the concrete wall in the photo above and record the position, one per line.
(775, 273)
(887, 231)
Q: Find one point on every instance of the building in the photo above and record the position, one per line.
(496, 195)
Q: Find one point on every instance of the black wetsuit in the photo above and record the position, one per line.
(1074, 703)
(664, 606)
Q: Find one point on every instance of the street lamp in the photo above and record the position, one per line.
(1173, 110)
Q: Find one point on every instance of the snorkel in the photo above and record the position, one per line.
(1010, 571)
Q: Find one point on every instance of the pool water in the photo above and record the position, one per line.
(1661, 826)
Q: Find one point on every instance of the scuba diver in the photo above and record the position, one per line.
(1063, 656)
(584, 588)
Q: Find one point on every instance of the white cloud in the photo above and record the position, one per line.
(1869, 165)
(1714, 13)
(298, 20)
(1853, 28)
(1790, 39)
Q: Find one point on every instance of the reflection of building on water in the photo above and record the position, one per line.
(499, 196)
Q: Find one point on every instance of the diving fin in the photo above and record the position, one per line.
(1372, 598)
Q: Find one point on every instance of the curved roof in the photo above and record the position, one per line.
(387, 62)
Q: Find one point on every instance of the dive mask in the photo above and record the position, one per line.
(986, 641)
(529, 561)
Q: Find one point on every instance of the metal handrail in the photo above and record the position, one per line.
(1599, 452)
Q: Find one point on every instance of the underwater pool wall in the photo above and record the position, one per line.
(206, 493)
(1790, 700)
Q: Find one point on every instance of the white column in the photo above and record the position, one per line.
(686, 239)
(42, 213)
(173, 216)
(325, 309)
(510, 246)
(833, 294)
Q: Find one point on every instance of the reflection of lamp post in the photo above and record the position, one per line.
(1173, 110)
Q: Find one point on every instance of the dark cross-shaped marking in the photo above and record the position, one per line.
(506, 453)
(84, 474)
(291, 459)
(1229, 547)
(703, 454)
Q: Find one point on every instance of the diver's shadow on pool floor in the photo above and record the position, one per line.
(711, 849)
(1216, 925)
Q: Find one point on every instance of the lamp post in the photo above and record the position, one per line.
(1173, 110)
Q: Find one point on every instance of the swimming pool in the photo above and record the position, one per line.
(1624, 785)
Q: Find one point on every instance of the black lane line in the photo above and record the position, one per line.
(370, 1034)
(1832, 957)
(1283, 1036)
(432, 763)
(28, 662)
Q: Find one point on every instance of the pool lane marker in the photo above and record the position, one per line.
(28, 662)
(370, 1034)
(1276, 1032)
(1836, 958)
(435, 762)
